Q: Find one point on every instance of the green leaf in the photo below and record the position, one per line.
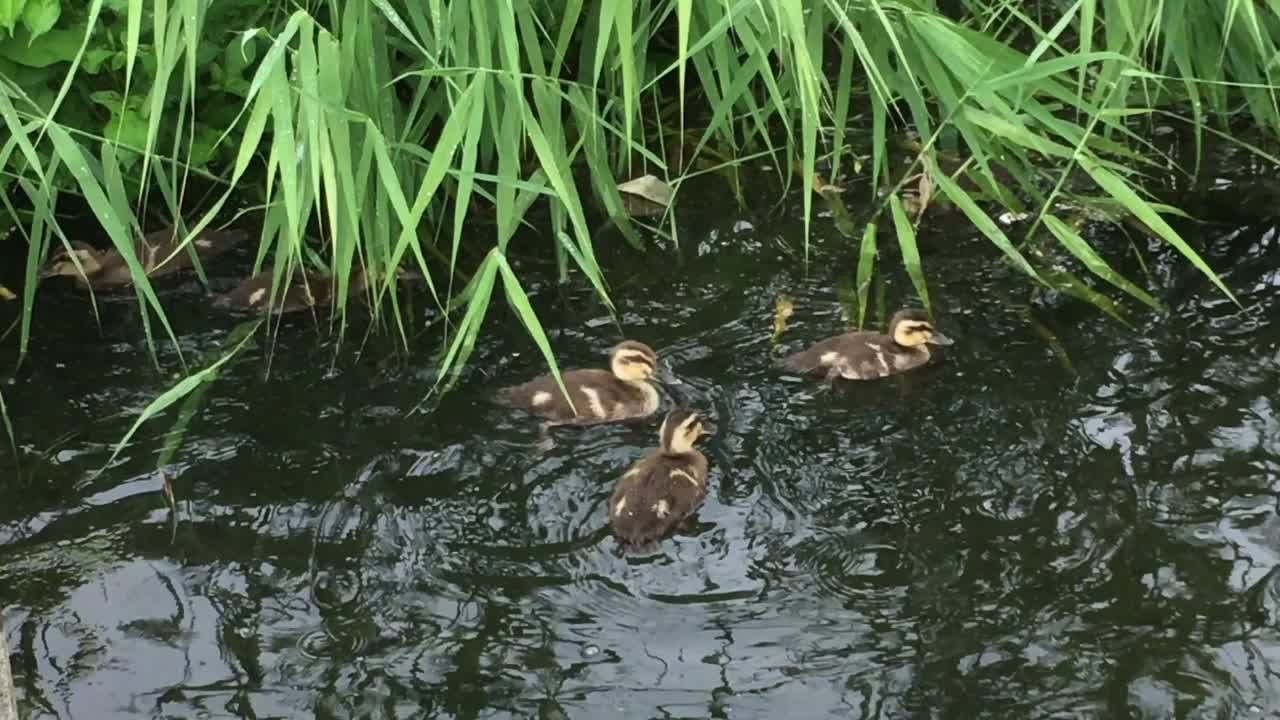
(95, 59)
(1121, 191)
(39, 16)
(983, 222)
(519, 302)
(127, 128)
(910, 253)
(10, 11)
(866, 265)
(176, 393)
(55, 46)
(1072, 241)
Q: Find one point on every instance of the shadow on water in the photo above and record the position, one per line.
(994, 536)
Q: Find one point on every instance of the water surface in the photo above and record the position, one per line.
(1082, 527)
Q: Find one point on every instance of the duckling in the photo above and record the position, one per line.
(869, 355)
(101, 269)
(317, 291)
(663, 488)
(254, 294)
(599, 396)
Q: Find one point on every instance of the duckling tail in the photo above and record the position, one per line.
(623, 546)
(801, 363)
(508, 396)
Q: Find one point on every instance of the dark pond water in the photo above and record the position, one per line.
(1088, 527)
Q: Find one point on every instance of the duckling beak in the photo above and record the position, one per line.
(708, 427)
(664, 375)
(940, 339)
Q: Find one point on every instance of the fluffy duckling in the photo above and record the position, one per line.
(599, 396)
(254, 294)
(662, 489)
(870, 355)
(101, 269)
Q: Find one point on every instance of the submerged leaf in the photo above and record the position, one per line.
(839, 213)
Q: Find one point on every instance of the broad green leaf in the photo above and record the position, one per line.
(240, 334)
(684, 14)
(10, 11)
(55, 46)
(1048, 68)
(39, 16)
(478, 292)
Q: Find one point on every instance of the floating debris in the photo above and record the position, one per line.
(644, 196)
(783, 308)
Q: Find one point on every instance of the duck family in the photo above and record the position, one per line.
(659, 491)
(655, 494)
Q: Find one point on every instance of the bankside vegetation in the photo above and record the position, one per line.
(355, 135)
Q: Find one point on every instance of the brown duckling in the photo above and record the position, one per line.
(254, 294)
(870, 355)
(663, 488)
(599, 396)
(101, 269)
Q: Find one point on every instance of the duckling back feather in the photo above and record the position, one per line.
(655, 495)
(598, 396)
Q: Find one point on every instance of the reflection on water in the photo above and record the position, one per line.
(999, 535)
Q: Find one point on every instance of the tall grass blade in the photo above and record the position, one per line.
(183, 388)
(1072, 241)
(983, 222)
(910, 252)
(520, 303)
(1144, 212)
(866, 266)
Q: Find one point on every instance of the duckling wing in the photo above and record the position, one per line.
(818, 357)
(855, 356)
(254, 294)
(542, 396)
(655, 495)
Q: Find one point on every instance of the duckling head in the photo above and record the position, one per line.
(912, 328)
(680, 430)
(64, 263)
(633, 361)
